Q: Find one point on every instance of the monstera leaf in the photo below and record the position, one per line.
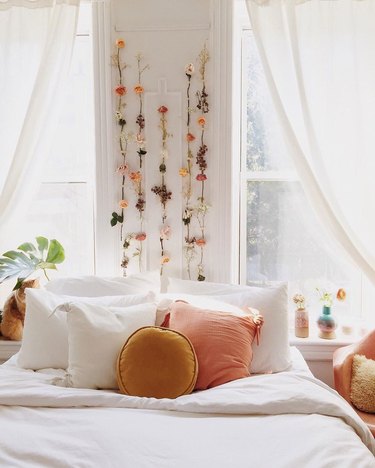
(28, 258)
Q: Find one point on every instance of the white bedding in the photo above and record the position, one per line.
(285, 420)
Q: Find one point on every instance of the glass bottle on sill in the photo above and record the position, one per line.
(301, 323)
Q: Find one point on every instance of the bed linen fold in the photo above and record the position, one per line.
(275, 394)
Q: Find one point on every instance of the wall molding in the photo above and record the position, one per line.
(161, 28)
(106, 238)
(225, 205)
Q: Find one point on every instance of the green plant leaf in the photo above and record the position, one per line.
(19, 283)
(113, 222)
(56, 252)
(42, 245)
(47, 266)
(19, 266)
(11, 254)
(27, 259)
(27, 247)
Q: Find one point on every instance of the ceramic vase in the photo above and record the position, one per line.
(327, 324)
(301, 323)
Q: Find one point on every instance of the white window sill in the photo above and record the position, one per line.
(314, 348)
(8, 348)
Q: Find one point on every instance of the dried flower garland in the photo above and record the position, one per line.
(123, 140)
(141, 151)
(161, 190)
(202, 207)
(186, 173)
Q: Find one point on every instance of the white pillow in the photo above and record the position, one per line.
(96, 335)
(94, 286)
(204, 302)
(45, 335)
(273, 352)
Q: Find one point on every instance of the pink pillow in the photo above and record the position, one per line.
(222, 342)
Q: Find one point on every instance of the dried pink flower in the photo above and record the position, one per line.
(165, 233)
(141, 236)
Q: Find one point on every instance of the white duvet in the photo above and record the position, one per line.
(285, 420)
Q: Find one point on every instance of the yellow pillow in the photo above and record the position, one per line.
(362, 393)
(157, 362)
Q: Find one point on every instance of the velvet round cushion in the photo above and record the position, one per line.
(157, 362)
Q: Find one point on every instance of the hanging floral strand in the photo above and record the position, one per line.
(123, 140)
(137, 177)
(202, 207)
(186, 173)
(161, 190)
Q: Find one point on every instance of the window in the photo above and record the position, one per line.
(281, 239)
(63, 205)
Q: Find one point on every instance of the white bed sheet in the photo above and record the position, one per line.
(286, 420)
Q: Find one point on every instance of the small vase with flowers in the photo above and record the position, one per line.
(301, 318)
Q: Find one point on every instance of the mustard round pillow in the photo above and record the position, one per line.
(157, 362)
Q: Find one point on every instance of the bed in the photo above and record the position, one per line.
(55, 411)
(287, 419)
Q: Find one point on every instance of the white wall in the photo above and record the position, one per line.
(170, 34)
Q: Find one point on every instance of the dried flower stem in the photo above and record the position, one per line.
(161, 190)
(123, 138)
(201, 209)
(140, 122)
(187, 192)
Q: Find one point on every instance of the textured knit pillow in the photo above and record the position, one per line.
(156, 362)
(362, 393)
(222, 342)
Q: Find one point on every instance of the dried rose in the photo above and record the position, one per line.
(140, 139)
(123, 203)
(200, 242)
(201, 177)
(135, 176)
(138, 89)
(183, 172)
(190, 137)
(189, 69)
(163, 109)
(341, 294)
(202, 121)
(120, 43)
(141, 236)
(165, 232)
(121, 90)
(123, 169)
(299, 299)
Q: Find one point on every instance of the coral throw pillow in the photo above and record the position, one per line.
(157, 362)
(222, 342)
(362, 393)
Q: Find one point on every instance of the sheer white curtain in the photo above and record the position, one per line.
(36, 40)
(319, 60)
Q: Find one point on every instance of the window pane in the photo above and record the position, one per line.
(72, 154)
(282, 241)
(64, 212)
(63, 206)
(265, 150)
(285, 242)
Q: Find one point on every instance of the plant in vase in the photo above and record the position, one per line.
(301, 322)
(327, 324)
